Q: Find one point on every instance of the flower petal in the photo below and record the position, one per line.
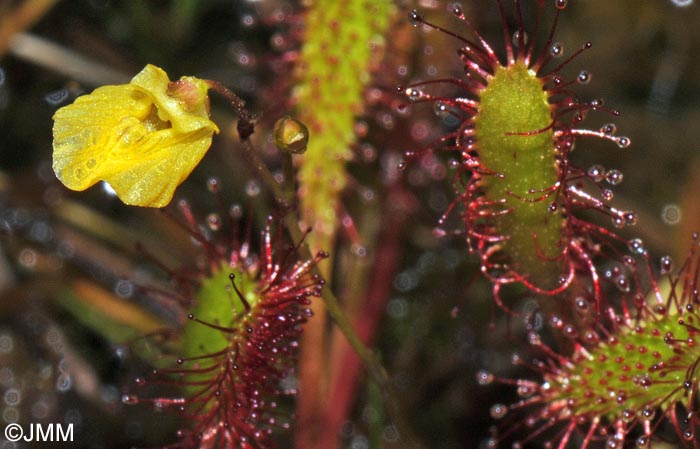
(136, 137)
(183, 117)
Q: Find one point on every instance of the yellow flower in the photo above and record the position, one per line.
(143, 138)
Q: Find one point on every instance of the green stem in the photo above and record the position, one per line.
(369, 359)
(284, 196)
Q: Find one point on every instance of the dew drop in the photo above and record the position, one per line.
(235, 211)
(213, 184)
(618, 222)
(556, 50)
(648, 413)
(498, 411)
(214, 221)
(252, 188)
(57, 97)
(484, 377)
(414, 18)
(584, 77)
(121, 352)
(613, 443)
(413, 94)
(7, 343)
(10, 414)
(64, 382)
(688, 435)
(629, 261)
(622, 283)
(671, 214)
(247, 20)
(369, 152)
(666, 264)
(642, 442)
(581, 305)
(279, 42)
(623, 142)
(441, 109)
(489, 443)
(591, 337)
(636, 246)
(560, 4)
(12, 397)
(516, 37)
(607, 194)
(570, 331)
(614, 177)
(358, 250)
(596, 172)
(534, 339)
(130, 399)
(628, 415)
(631, 218)
(525, 391)
(608, 128)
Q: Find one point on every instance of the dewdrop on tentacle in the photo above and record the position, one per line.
(245, 311)
(518, 123)
(631, 378)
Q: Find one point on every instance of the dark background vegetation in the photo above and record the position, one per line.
(435, 335)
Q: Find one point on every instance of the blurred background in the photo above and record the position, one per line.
(71, 305)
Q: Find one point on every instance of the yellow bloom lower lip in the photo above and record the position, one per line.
(142, 138)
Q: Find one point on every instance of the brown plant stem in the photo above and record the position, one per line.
(20, 19)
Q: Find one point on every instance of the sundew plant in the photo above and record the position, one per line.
(353, 224)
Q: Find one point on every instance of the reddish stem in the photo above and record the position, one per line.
(344, 383)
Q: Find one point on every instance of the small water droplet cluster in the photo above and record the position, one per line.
(636, 372)
(518, 122)
(245, 313)
(629, 365)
